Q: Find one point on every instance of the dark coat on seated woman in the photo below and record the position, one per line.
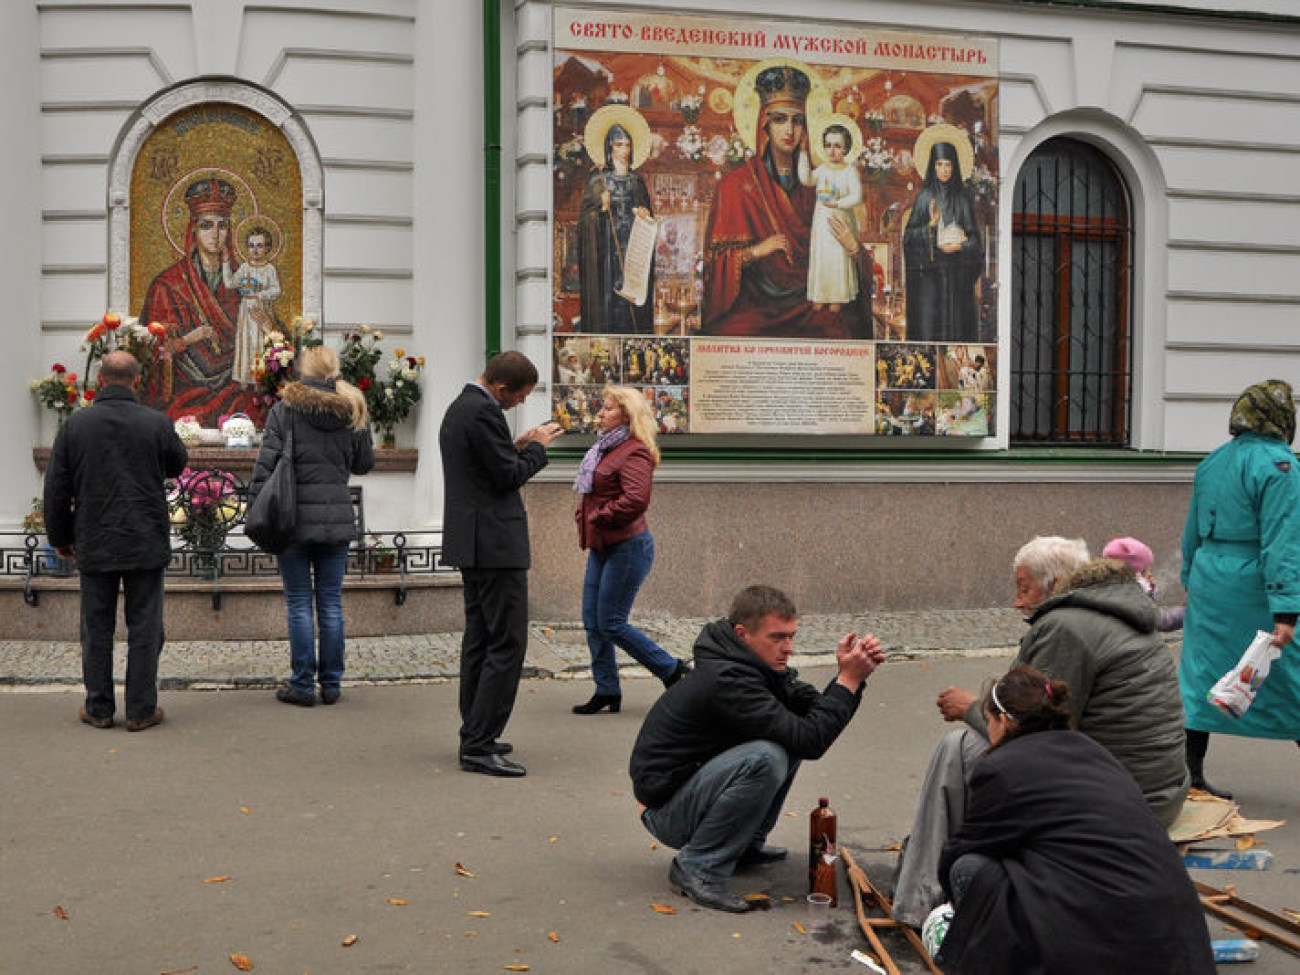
(1086, 880)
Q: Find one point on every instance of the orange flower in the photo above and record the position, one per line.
(399, 353)
(157, 329)
(111, 320)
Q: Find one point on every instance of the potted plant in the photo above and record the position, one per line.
(380, 556)
(205, 506)
(392, 399)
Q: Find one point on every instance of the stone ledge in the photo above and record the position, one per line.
(251, 609)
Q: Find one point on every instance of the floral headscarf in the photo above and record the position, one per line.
(1265, 408)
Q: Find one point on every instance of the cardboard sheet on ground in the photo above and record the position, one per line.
(1206, 817)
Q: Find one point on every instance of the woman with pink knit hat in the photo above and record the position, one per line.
(1138, 557)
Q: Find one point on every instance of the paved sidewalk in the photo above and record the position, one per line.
(556, 649)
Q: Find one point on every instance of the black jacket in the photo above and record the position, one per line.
(325, 451)
(104, 484)
(484, 525)
(731, 698)
(1086, 880)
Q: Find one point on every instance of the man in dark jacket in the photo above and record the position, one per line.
(105, 507)
(719, 750)
(485, 534)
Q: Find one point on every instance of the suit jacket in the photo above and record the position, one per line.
(484, 525)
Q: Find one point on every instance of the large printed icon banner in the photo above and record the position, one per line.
(774, 227)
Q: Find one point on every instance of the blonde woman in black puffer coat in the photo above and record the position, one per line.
(332, 441)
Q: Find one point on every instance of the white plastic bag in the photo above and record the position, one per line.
(1235, 691)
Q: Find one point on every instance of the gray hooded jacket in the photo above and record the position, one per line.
(1097, 632)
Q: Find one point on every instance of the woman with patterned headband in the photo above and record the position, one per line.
(1060, 867)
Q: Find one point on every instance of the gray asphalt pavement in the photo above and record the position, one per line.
(244, 826)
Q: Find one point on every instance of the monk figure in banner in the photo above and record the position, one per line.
(192, 300)
(757, 241)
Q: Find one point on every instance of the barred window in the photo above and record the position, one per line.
(1071, 276)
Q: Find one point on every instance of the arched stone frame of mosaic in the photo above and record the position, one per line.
(167, 103)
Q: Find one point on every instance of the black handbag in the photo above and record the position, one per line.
(271, 517)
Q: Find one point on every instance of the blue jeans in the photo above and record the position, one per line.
(728, 806)
(327, 562)
(614, 576)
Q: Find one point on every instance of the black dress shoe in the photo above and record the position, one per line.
(288, 695)
(598, 703)
(706, 893)
(757, 856)
(503, 748)
(493, 764)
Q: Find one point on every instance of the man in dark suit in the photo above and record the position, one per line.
(105, 507)
(485, 535)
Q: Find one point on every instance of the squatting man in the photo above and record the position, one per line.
(719, 750)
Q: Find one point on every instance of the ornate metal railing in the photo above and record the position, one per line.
(209, 545)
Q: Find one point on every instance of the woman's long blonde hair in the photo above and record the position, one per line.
(322, 362)
(640, 416)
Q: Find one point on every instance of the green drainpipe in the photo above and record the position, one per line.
(492, 175)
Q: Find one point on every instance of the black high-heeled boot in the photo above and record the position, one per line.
(600, 702)
(680, 671)
(1198, 743)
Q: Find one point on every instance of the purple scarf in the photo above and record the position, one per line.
(603, 445)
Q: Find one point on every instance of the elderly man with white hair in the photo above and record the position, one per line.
(1092, 626)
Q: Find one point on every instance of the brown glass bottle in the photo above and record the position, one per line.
(823, 853)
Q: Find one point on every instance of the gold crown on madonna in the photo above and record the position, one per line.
(210, 196)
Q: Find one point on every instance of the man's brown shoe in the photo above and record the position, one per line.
(88, 718)
(139, 724)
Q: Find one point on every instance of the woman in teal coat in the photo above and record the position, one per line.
(1241, 569)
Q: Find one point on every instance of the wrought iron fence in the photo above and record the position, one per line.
(209, 545)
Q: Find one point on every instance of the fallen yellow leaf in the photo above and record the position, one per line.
(553, 839)
(663, 908)
(735, 934)
(799, 927)
(245, 810)
(758, 899)
(517, 968)
(242, 962)
(216, 880)
(554, 937)
(479, 913)
(349, 941)
(463, 872)
(1245, 842)
(397, 901)
(60, 913)
(892, 847)
(471, 934)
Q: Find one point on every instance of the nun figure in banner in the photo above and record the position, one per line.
(618, 140)
(942, 248)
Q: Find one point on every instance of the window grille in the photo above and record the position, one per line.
(1071, 275)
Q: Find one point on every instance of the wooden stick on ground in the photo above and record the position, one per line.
(1250, 918)
(867, 897)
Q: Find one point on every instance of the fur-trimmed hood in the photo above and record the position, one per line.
(317, 402)
(1104, 586)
